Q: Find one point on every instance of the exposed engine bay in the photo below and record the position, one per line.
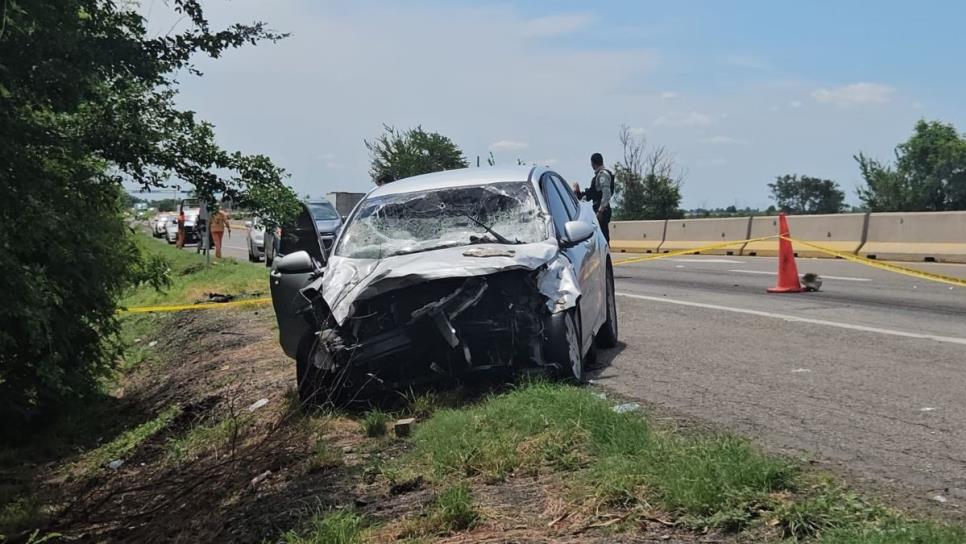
(443, 328)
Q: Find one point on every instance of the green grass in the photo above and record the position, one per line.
(336, 527)
(323, 457)
(125, 444)
(897, 532)
(375, 423)
(191, 278)
(203, 439)
(454, 510)
(550, 427)
(702, 479)
(19, 515)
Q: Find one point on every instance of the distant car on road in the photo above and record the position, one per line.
(255, 239)
(159, 224)
(327, 225)
(171, 230)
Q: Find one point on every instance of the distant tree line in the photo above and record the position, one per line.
(929, 174)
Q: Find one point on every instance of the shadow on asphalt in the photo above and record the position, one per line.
(604, 359)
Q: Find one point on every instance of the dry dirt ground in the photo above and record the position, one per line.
(261, 478)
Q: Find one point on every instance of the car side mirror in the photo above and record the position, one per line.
(248, 224)
(576, 232)
(299, 262)
(343, 218)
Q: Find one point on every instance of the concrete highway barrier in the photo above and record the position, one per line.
(636, 236)
(684, 234)
(923, 236)
(842, 232)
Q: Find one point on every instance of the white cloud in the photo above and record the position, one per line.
(855, 94)
(508, 145)
(724, 140)
(917, 105)
(555, 25)
(668, 95)
(638, 131)
(692, 119)
(746, 61)
(796, 104)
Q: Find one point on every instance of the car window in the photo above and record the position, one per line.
(322, 211)
(569, 201)
(555, 203)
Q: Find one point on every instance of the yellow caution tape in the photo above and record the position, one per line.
(186, 307)
(692, 251)
(931, 276)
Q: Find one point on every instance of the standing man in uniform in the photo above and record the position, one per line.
(600, 192)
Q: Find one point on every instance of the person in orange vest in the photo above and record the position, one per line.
(181, 234)
(218, 224)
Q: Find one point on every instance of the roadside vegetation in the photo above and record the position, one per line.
(201, 423)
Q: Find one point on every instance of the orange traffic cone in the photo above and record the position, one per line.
(788, 281)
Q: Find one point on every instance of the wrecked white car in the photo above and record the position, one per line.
(445, 275)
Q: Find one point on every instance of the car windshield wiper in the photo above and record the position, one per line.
(499, 237)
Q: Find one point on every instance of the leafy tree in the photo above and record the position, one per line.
(87, 100)
(648, 181)
(805, 195)
(929, 173)
(401, 154)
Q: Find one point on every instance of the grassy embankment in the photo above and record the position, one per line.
(599, 473)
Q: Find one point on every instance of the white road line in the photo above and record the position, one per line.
(823, 276)
(796, 319)
(715, 261)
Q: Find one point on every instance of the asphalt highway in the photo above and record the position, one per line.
(869, 373)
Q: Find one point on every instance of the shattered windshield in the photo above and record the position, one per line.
(388, 225)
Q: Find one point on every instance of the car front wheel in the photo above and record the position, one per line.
(563, 346)
(313, 370)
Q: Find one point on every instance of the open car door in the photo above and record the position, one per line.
(300, 259)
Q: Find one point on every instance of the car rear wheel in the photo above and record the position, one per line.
(607, 335)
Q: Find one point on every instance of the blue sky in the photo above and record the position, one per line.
(739, 92)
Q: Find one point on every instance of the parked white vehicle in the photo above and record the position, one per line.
(159, 224)
(255, 239)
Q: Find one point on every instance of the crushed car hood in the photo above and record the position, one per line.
(347, 280)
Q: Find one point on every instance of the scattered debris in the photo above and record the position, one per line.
(115, 464)
(403, 426)
(257, 404)
(811, 282)
(406, 486)
(152, 343)
(939, 498)
(600, 395)
(626, 407)
(218, 297)
(137, 340)
(927, 409)
(260, 478)
(801, 370)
